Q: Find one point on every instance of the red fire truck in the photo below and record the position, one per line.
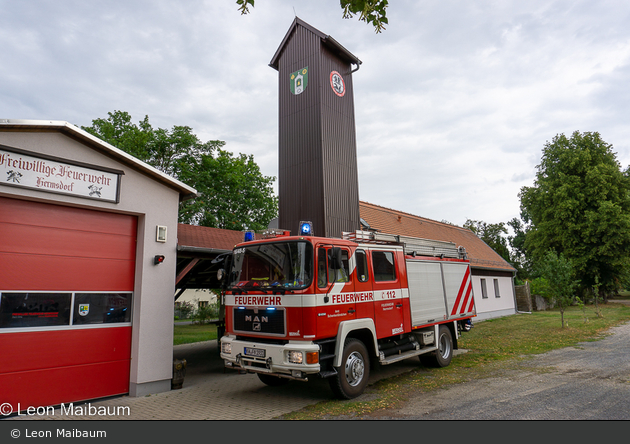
(300, 306)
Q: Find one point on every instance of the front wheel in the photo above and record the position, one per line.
(354, 372)
(443, 355)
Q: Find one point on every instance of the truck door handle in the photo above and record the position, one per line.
(352, 310)
(399, 305)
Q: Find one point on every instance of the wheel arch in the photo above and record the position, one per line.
(452, 326)
(361, 329)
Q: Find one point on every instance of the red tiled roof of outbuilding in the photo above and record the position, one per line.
(379, 218)
(397, 222)
(207, 237)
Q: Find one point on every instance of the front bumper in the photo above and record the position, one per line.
(272, 359)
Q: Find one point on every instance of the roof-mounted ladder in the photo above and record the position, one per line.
(411, 245)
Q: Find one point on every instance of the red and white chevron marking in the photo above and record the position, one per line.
(465, 301)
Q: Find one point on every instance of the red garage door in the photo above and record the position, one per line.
(66, 290)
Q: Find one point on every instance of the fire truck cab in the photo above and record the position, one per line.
(300, 306)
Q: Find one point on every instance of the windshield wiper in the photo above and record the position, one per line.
(249, 286)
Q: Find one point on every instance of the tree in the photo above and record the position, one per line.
(369, 11)
(518, 253)
(491, 234)
(233, 194)
(559, 281)
(579, 206)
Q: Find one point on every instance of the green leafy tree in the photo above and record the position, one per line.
(118, 130)
(579, 206)
(559, 281)
(233, 194)
(491, 234)
(370, 11)
(518, 253)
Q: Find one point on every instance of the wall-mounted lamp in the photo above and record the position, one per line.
(158, 259)
(160, 235)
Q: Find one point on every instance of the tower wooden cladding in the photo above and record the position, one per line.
(318, 174)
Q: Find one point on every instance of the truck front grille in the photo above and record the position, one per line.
(259, 321)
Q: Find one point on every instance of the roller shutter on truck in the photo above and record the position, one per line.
(439, 291)
(66, 293)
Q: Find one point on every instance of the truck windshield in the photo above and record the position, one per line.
(272, 266)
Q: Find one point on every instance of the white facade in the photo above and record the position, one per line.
(198, 295)
(494, 296)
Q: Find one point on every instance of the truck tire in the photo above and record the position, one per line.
(270, 380)
(444, 354)
(353, 374)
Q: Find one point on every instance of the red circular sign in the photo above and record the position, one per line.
(337, 84)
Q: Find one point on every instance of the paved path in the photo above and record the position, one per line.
(214, 393)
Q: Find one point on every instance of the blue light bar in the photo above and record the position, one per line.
(249, 236)
(306, 228)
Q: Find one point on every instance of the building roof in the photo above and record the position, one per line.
(76, 133)
(327, 40)
(216, 240)
(195, 237)
(390, 221)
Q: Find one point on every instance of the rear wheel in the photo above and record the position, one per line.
(443, 355)
(273, 381)
(354, 372)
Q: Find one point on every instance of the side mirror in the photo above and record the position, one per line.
(335, 258)
(222, 273)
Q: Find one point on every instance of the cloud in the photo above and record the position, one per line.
(454, 101)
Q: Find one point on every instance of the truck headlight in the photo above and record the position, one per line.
(226, 348)
(295, 357)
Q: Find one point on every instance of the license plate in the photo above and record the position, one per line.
(255, 352)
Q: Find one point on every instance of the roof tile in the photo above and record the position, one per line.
(391, 221)
(379, 218)
(207, 237)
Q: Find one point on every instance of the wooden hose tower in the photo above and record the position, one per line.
(318, 173)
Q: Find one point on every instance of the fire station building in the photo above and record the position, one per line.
(88, 249)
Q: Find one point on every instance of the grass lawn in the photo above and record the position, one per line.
(492, 345)
(189, 333)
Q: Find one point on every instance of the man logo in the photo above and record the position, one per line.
(257, 321)
(299, 81)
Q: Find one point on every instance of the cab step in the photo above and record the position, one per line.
(324, 357)
(385, 360)
(328, 373)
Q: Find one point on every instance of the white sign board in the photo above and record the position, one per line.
(57, 176)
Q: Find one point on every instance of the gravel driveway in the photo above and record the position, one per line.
(588, 382)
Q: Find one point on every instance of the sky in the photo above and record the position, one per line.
(454, 101)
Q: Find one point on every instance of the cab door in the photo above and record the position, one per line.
(388, 295)
(335, 289)
(363, 283)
